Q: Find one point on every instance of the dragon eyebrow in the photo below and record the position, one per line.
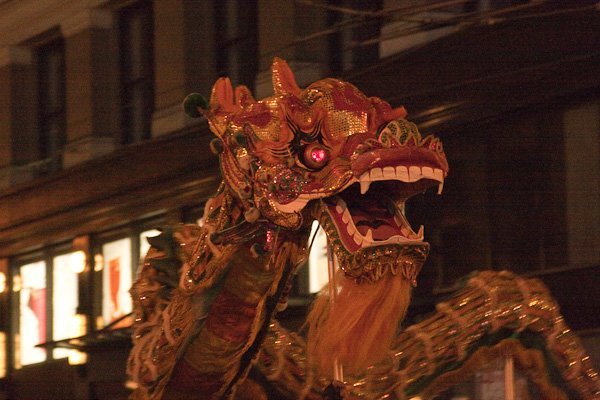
(299, 134)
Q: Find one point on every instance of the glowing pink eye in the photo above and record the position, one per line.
(318, 155)
(315, 156)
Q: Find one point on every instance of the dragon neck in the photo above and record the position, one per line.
(247, 266)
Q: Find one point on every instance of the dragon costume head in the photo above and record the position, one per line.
(330, 153)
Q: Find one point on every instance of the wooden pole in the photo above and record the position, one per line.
(509, 378)
(338, 371)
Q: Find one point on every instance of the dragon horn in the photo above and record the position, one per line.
(221, 97)
(243, 96)
(283, 78)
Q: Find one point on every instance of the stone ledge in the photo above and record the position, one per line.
(86, 19)
(171, 119)
(86, 149)
(13, 175)
(20, 55)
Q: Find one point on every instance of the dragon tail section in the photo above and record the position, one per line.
(496, 314)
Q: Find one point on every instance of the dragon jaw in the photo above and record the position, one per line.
(367, 228)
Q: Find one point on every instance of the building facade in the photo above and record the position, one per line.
(96, 152)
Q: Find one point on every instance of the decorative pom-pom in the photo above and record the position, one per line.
(216, 146)
(240, 139)
(192, 102)
(216, 238)
(246, 192)
(257, 250)
(252, 215)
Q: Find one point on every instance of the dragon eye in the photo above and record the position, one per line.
(315, 156)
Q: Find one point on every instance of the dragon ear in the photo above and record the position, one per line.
(283, 78)
(243, 96)
(221, 97)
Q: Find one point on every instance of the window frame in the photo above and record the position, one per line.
(46, 255)
(238, 38)
(131, 231)
(51, 144)
(131, 84)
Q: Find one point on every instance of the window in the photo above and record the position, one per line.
(236, 32)
(137, 71)
(31, 285)
(116, 261)
(144, 245)
(313, 274)
(65, 298)
(350, 47)
(116, 279)
(318, 268)
(47, 299)
(51, 98)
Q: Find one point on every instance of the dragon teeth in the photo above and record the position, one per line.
(414, 174)
(364, 186)
(350, 229)
(389, 172)
(440, 187)
(346, 216)
(369, 236)
(402, 173)
(427, 172)
(364, 183)
(376, 174)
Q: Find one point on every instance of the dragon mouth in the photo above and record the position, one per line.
(370, 212)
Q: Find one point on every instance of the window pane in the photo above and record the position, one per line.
(51, 97)
(54, 80)
(236, 48)
(137, 59)
(2, 354)
(134, 34)
(116, 278)
(65, 297)
(144, 245)
(32, 314)
(318, 274)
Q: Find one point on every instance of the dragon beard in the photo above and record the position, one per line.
(374, 281)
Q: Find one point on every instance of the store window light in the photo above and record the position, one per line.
(144, 245)
(77, 261)
(32, 312)
(78, 328)
(2, 354)
(16, 283)
(2, 282)
(318, 274)
(117, 279)
(66, 268)
(98, 262)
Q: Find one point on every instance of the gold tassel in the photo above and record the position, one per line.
(359, 329)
